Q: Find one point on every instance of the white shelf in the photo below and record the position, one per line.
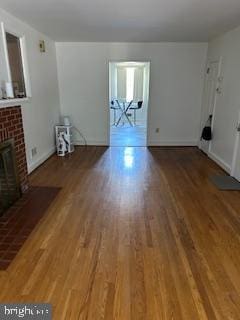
(12, 102)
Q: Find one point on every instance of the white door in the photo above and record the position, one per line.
(210, 97)
(235, 172)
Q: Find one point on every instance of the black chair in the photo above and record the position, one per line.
(135, 108)
(114, 107)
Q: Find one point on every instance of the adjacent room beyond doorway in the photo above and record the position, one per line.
(128, 101)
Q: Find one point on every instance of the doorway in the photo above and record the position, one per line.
(211, 87)
(128, 103)
(235, 170)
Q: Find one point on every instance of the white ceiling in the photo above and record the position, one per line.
(127, 20)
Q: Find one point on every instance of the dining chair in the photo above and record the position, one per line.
(114, 107)
(135, 108)
(124, 110)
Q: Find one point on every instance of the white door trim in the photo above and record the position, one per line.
(236, 151)
(148, 63)
(219, 61)
(205, 101)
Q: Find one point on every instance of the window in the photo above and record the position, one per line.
(130, 84)
(16, 66)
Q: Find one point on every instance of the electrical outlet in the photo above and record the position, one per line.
(157, 130)
(33, 152)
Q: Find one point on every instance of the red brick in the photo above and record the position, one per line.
(11, 117)
(16, 122)
(11, 126)
(14, 111)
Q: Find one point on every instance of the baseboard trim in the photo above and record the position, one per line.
(92, 143)
(40, 160)
(220, 162)
(173, 143)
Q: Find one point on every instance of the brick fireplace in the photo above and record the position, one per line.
(11, 127)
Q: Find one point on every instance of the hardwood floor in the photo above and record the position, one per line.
(127, 136)
(135, 233)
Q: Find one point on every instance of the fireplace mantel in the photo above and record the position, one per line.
(7, 103)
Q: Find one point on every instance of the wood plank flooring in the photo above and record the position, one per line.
(135, 233)
(127, 136)
(17, 223)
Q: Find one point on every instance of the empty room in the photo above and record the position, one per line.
(120, 160)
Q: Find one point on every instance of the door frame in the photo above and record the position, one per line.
(210, 61)
(147, 62)
(236, 151)
(218, 84)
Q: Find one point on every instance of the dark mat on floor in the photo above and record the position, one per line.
(18, 222)
(223, 182)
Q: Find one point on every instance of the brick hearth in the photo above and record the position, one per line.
(11, 126)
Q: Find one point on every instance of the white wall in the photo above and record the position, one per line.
(227, 109)
(176, 83)
(41, 113)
